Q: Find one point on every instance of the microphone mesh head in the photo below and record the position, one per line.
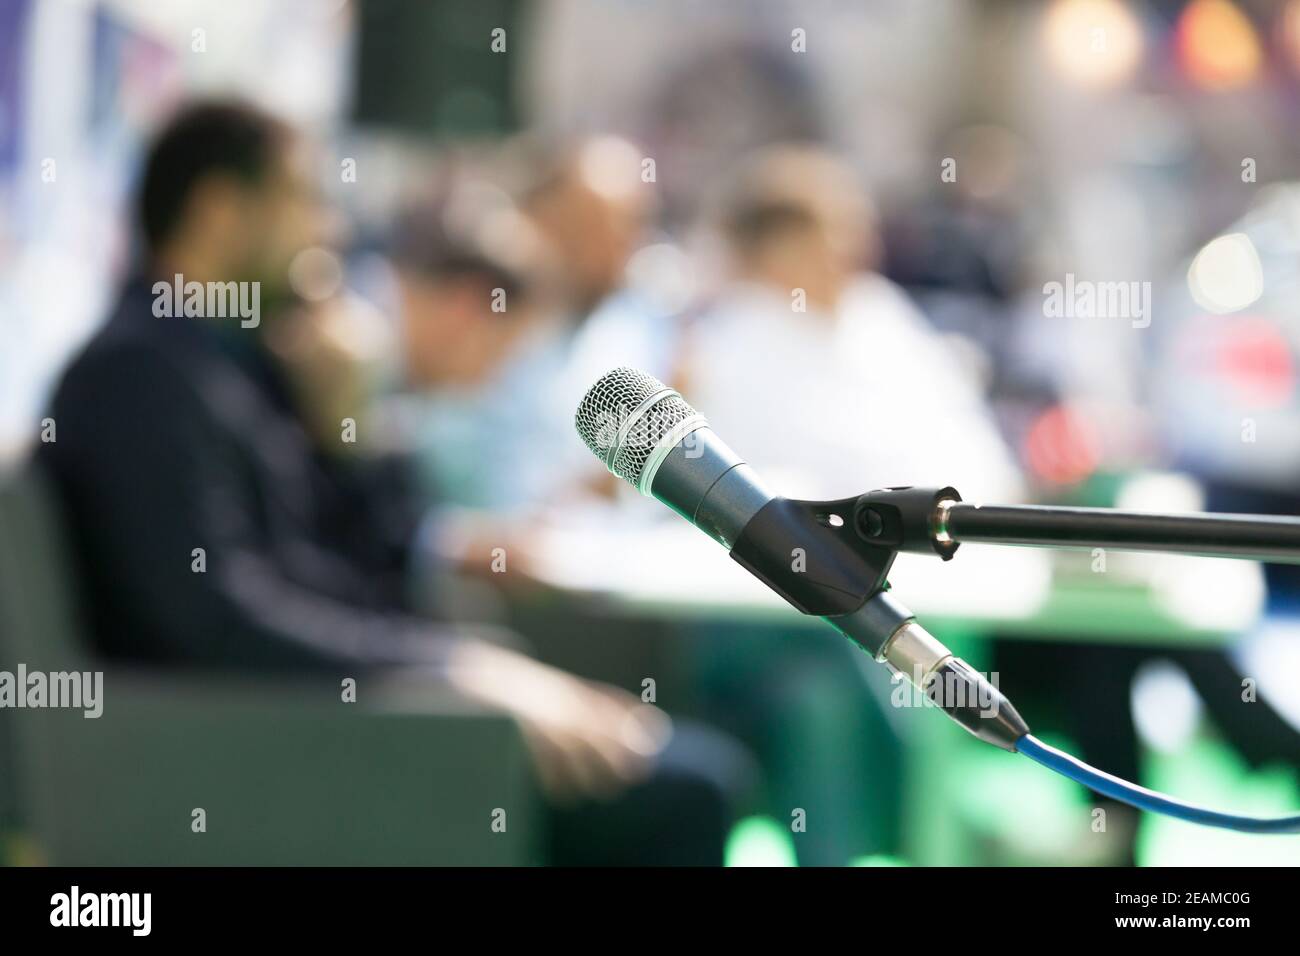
(625, 417)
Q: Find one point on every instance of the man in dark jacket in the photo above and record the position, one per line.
(217, 527)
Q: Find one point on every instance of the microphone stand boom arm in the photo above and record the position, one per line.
(1252, 537)
(936, 521)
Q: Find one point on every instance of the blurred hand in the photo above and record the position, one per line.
(586, 739)
(469, 541)
(328, 351)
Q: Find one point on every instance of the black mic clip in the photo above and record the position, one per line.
(828, 558)
(906, 519)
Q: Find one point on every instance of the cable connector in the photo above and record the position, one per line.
(952, 685)
(969, 698)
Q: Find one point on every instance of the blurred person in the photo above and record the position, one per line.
(218, 528)
(511, 434)
(819, 370)
(455, 255)
(471, 278)
(590, 203)
(624, 299)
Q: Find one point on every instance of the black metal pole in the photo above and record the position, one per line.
(1255, 537)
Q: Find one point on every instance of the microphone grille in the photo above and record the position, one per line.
(628, 416)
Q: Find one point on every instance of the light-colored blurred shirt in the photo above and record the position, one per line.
(493, 446)
(510, 444)
(832, 406)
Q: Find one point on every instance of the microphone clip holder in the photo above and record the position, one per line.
(851, 546)
(903, 519)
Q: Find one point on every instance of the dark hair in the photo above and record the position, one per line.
(753, 222)
(216, 137)
(782, 189)
(448, 237)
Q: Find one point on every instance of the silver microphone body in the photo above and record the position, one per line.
(710, 486)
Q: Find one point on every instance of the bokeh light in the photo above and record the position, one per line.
(1226, 275)
(1062, 446)
(1218, 48)
(1096, 44)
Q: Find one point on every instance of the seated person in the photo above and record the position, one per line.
(820, 372)
(508, 445)
(219, 526)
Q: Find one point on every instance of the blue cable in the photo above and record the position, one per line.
(1145, 799)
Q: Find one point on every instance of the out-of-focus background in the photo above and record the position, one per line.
(1064, 247)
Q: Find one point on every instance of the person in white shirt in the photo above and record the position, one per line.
(822, 374)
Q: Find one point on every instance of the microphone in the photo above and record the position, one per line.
(809, 552)
(648, 435)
